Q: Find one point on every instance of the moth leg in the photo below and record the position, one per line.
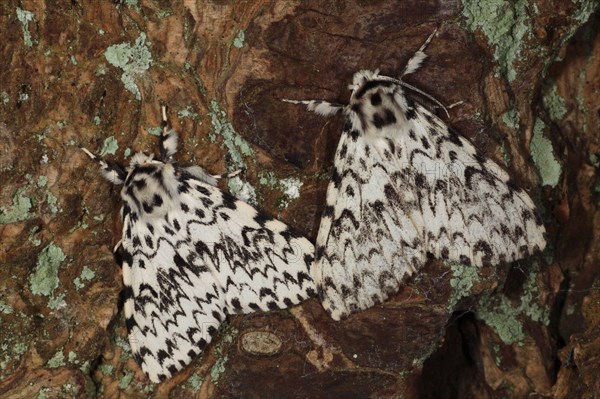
(320, 107)
(111, 171)
(228, 175)
(418, 57)
(168, 138)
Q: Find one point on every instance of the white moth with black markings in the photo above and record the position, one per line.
(192, 254)
(406, 188)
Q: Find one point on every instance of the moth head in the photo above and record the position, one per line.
(140, 159)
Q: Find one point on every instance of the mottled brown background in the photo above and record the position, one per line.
(528, 73)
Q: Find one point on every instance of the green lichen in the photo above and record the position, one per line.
(44, 280)
(42, 181)
(5, 308)
(163, 13)
(291, 190)
(238, 150)
(52, 201)
(58, 360)
(11, 349)
(19, 348)
(32, 236)
(195, 381)
(126, 380)
(127, 152)
(86, 275)
(227, 339)
(463, 279)
(529, 306)
(85, 367)
(289, 187)
(25, 17)
(110, 146)
(504, 316)
(505, 154)
(106, 369)
(238, 42)
(188, 113)
(101, 70)
(585, 10)
(511, 119)
(504, 25)
(4, 97)
(242, 189)
(126, 349)
(19, 210)
(133, 60)
(543, 156)
(268, 179)
(218, 368)
(57, 302)
(72, 357)
(96, 120)
(594, 160)
(237, 147)
(154, 131)
(554, 103)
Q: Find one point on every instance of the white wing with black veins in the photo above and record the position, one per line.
(404, 189)
(192, 254)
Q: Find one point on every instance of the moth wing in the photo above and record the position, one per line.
(367, 241)
(259, 263)
(171, 312)
(208, 256)
(474, 212)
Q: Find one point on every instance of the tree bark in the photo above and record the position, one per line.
(94, 73)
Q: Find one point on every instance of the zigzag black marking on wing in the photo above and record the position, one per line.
(169, 302)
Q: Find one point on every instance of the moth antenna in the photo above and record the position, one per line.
(117, 245)
(111, 171)
(168, 138)
(428, 96)
(418, 57)
(320, 107)
(456, 104)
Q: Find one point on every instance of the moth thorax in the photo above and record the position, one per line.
(378, 111)
(139, 158)
(150, 189)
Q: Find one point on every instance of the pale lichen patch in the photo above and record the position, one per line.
(25, 17)
(543, 156)
(134, 60)
(44, 280)
(110, 146)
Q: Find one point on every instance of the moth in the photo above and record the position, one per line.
(191, 254)
(406, 188)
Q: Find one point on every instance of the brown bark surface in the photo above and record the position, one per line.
(94, 73)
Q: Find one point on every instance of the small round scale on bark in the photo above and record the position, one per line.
(260, 343)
